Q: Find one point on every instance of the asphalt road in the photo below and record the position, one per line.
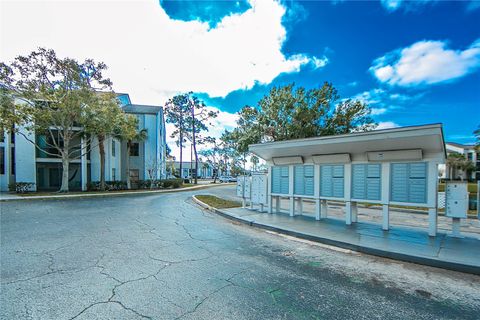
(162, 257)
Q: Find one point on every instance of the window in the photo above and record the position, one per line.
(114, 174)
(2, 160)
(134, 149)
(113, 148)
(470, 156)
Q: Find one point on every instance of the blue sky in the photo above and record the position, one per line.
(412, 62)
(352, 35)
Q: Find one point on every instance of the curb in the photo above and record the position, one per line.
(107, 194)
(350, 246)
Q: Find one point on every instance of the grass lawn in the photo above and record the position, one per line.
(55, 193)
(217, 202)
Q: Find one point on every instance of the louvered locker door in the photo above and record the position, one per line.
(276, 179)
(399, 183)
(338, 186)
(418, 183)
(326, 185)
(309, 179)
(373, 189)
(417, 192)
(284, 184)
(299, 177)
(359, 181)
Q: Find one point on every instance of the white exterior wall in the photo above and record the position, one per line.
(6, 177)
(152, 157)
(445, 172)
(25, 166)
(110, 161)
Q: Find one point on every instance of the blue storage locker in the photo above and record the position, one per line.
(303, 180)
(299, 180)
(409, 182)
(332, 181)
(284, 184)
(309, 180)
(276, 177)
(366, 181)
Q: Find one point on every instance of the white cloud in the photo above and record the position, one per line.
(151, 55)
(426, 62)
(391, 5)
(386, 125)
(378, 111)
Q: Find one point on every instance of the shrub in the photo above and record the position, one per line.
(21, 187)
(109, 185)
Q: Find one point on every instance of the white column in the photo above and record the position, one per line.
(323, 210)
(300, 206)
(318, 209)
(385, 217)
(316, 190)
(290, 190)
(385, 182)
(277, 204)
(432, 194)
(84, 164)
(432, 222)
(348, 213)
(291, 206)
(269, 190)
(456, 228)
(347, 188)
(354, 211)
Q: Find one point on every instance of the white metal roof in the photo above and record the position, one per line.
(428, 138)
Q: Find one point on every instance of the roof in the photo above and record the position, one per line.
(140, 108)
(463, 146)
(429, 138)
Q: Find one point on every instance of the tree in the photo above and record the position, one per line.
(105, 119)
(128, 132)
(51, 98)
(254, 160)
(457, 161)
(213, 156)
(197, 120)
(190, 117)
(178, 111)
(292, 113)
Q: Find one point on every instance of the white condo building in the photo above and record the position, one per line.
(470, 153)
(21, 161)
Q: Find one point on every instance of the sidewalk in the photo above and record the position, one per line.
(5, 196)
(400, 243)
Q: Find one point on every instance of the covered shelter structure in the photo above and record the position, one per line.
(386, 167)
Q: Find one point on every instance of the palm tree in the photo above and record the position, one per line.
(457, 161)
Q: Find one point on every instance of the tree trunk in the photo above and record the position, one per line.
(194, 140)
(181, 153)
(127, 165)
(65, 167)
(101, 147)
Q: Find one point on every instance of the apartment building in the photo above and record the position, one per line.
(21, 161)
